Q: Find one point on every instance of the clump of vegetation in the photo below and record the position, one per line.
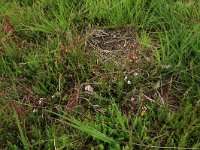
(99, 74)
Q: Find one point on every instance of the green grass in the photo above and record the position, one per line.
(45, 65)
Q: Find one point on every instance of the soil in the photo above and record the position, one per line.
(114, 44)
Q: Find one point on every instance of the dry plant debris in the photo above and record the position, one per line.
(114, 44)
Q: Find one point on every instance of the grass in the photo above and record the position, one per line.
(144, 98)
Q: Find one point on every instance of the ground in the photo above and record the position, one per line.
(99, 74)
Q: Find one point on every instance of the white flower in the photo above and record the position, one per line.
(125, 78)
(129, 82)
(53, 96)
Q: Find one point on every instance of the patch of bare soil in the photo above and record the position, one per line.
(114, 44)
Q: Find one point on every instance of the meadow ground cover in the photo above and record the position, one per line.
(99, 74)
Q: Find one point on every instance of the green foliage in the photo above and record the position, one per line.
(44, 54)
(22, 135)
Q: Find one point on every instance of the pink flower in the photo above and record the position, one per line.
(89, 88)
(132, 58)
(132, 99)
(41, 100)
(135, 74)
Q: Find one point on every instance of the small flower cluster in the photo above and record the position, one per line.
(126, 80)
(135, 72)
(133, 58)
(40, 102)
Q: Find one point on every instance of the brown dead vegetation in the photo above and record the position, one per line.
(114, 44)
